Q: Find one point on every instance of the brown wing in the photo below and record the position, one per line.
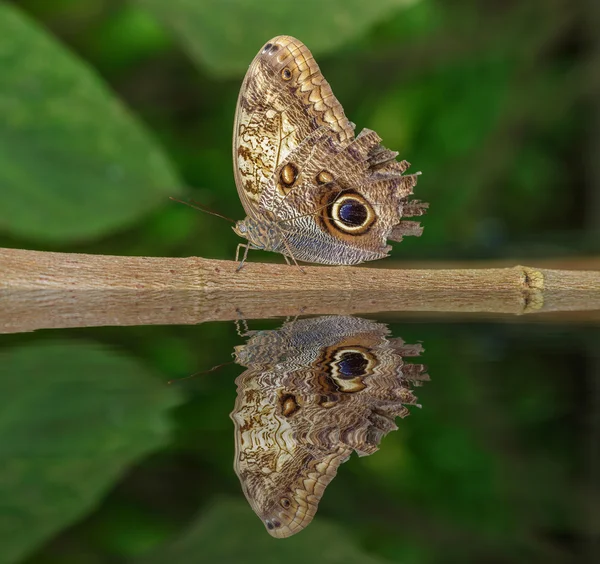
(335, 385)
(345, 201)
(283, 99)
(282, 475)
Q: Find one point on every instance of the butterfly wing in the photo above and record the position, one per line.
(283, 99)
(335, 386)
(337, 199)
(283, 477)
(346, 201)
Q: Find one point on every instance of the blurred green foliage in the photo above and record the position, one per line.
(107, 107)
(75, 163)
(78, 415)
(247, 538)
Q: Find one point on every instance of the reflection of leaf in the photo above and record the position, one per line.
(73, 417)
(229, 532)
(226, 34)
(73, 163)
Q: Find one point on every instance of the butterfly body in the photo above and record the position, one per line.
(261, 235)
(312, 190)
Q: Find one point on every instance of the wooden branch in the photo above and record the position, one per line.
(51, 290)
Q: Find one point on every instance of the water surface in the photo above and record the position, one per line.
(104, 461)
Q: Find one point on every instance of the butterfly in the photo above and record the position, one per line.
(311, 189)
(314, 391)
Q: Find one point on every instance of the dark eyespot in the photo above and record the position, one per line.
(353, 213)
(352, 364)
(285, 502)
(270, 49)
(350, 213)
(270, 525)
(286, 74)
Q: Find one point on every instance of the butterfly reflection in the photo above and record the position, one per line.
(314, 391)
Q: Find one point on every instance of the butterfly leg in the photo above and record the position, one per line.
(237, 255)
(289, 319)
(241, 325)
(292, 256)
(296, 263)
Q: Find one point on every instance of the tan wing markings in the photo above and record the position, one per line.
(320, 107)
(281, 140)
(318, 91)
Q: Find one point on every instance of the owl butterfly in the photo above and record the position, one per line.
(311, 189)
(313, 392)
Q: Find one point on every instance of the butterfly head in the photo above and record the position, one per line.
(260, 235)
(241, 228)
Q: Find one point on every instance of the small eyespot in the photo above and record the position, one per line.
(270, 49)
(285, 502)
(328, 401)
(270, 525)
(286, 74)
(288, 174)
(324, 177)
(289, 405)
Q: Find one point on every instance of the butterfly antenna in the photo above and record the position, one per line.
(202, 372)
(202, 208)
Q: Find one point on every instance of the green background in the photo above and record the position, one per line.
(109, 107)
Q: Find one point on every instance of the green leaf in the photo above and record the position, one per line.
(225, 35)
(73, 418)
(74, 163)
(231, 532)
(443, 122)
